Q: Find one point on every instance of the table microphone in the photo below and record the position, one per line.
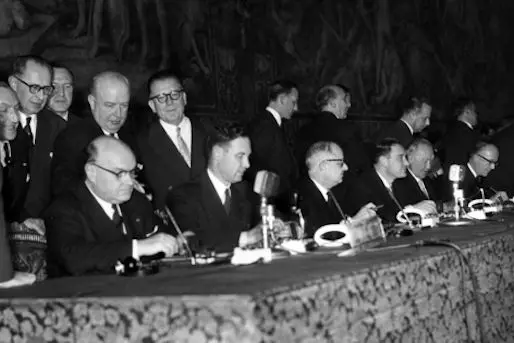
(266, 185)
(456, 175)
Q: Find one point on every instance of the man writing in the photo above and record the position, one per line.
(102, 219)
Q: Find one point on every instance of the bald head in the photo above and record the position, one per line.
(109, 100)
(110, 169)
(9, 107)
(484, 159)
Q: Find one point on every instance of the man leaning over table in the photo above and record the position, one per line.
(218, 207)
(103, 220)
(326, 167)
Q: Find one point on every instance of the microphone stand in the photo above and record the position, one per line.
(181, 235)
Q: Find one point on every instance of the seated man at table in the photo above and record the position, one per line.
(483, 159)
(218, 207)
(102, 220)
(416, 186)
(326, 167)
(376, 185)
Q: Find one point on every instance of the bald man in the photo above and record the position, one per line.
(103, 219)
(482, 161)
(109, 101)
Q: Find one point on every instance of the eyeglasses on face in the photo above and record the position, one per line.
(339, 160)
(119, 174)
(491, 162)
(174, 95)
(34, 89)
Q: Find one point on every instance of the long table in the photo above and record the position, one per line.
(413, 294)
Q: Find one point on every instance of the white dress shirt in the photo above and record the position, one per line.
(410, 127)
(107, 133)
(219, 185)
(2, 152)
(33, 123)
(185, 132)
(275, 115)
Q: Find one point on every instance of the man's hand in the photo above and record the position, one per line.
(366, 211)
(35, 224)
(250, 237)
(426, 206)
(157, 243)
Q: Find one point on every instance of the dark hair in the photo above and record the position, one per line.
(280, 87)
(160, 76)
(56, 65)
(20, 63)
(222, 132)
(461, 104)
(328, 93)
(412, 103)
(383, 148)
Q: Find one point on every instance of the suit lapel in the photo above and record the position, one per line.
(212, 202)
(197, 151)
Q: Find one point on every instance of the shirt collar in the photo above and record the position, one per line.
(184, 123)
(472, 171)
(467, 124)
(384, 181)
(275, 115)
(322, 189)
(414, 176)
(410, 127)
(107, 207)
(219, 185)
(23, 118)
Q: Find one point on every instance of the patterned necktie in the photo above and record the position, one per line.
(28, 130)
(182, 148)
(228, 200)
(117, 219)
(7, 154)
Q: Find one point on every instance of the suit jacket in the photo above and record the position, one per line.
(83, 239)
(501, 178)
(470, 185)
(326, 127)
(270, 151)
(458, 144)
(198, 208)
(32, 198)
(316, 211)
(408, 192)
(70, 152)
(164, 166)
(6, 271)
(400, 131)
(370, 188)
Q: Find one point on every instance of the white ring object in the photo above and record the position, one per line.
(332, 228)
(484, 202)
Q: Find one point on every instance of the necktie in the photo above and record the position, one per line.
(332, 201)
(182, 148)
(28, 130)
(7, 154)
(228, 200)
(117, 219)
(421, 185)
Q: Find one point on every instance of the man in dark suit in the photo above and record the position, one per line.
(31, 81)
(416, 186)
(103, 220)
(172, 149)
(270, 149)
(62, 96)
(415, 118)
(326, 166)
(501, 177)
(481, 162)
(217, 206)
(333, 102)
(461, 137)
(109, 102)
(376, 185)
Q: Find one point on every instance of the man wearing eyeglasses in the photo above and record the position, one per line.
(482, 161)
(109, 101)
(326, 166)
(172, 149)
(103, 220)
(62, 96)
(31, 80)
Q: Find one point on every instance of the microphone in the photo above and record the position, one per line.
(456, 175)
(266, 183)
(180, 233)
